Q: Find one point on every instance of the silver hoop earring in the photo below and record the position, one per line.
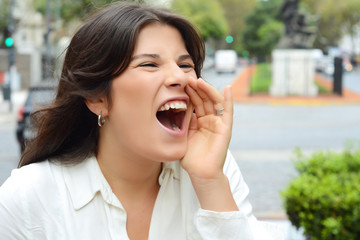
(101, 120)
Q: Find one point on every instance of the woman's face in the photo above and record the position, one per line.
(151, 112)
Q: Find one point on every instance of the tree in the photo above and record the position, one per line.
(351, 19)
(4, 15)
(75, 9)
(235, 12)
(263, 28)
(337, 18)
(206, 15)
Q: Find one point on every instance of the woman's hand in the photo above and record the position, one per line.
(208, 142)
(209, 134)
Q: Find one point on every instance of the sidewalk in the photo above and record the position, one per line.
(241, 93)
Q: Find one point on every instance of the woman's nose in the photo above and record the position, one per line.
(176, 77)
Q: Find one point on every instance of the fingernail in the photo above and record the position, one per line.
(229, 92)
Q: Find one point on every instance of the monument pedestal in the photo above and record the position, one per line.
(293, 73)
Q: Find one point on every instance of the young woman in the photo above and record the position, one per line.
(135, 143)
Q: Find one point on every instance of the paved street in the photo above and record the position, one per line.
(352, 80)
(264, 137)
(9, 149)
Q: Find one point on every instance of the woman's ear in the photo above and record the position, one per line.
(97, 106)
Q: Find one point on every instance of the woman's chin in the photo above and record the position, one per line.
(175, 156)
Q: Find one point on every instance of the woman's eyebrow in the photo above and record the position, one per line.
(157, 56)
(146, 55)
(184, 57)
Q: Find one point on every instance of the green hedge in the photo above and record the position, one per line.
(261, 79)
(324, 199)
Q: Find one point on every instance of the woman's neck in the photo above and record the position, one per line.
(135, 183)
(125, 175)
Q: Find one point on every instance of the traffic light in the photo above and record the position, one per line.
(229, 39)
(8, 38)
(9, 42)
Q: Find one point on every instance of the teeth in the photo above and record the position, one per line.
(174, 105)
(175, 128)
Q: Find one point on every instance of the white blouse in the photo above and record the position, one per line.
(51, 201)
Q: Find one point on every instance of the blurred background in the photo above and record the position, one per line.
(241, 37)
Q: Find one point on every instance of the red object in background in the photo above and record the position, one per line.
(2, 77)
(21, 114)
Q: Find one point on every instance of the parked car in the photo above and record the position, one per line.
(38, 96)
(326, 65)
(225, 61)
(318, 57)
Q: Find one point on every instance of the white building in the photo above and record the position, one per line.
(351, 45)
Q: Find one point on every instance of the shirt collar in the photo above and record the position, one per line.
(85, 180)
(172, 168)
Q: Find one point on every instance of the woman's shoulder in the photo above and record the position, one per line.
(31, 194)
(34, 171)
(31, 178)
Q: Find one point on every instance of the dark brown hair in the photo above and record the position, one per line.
(100, 51)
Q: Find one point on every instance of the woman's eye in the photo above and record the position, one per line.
(186, 65)
(148, 65)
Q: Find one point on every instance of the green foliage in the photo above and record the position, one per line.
(324, 163)
(336, 18)
(261, 80)
(4, 15)
(324, 199)
(206, 15)
(322, 89)
(263, 28)
(235, 12)
(74, 9)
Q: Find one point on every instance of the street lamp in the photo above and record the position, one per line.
(47, 41)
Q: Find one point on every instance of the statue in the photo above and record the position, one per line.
(298, 33)
(289, 11)
(293, 62)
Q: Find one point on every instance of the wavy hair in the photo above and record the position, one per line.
(99, 52)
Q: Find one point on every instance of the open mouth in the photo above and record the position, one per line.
(171, 115)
